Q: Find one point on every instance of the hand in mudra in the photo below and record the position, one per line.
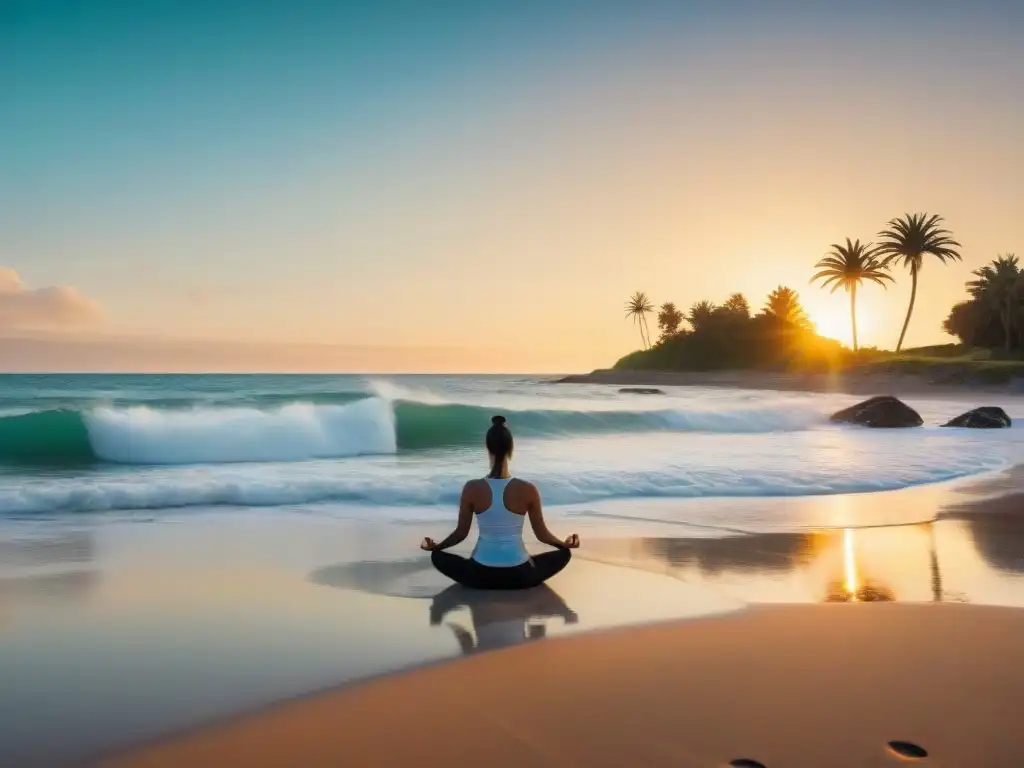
(428, 544)
(573, 541)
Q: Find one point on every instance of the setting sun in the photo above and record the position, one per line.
(830, 313)
(835, 324)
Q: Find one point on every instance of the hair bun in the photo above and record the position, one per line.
(498, 421)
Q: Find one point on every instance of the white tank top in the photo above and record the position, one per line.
(500, 540)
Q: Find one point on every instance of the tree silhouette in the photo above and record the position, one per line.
(998, 288)
(907, 241)
(847, 266)
(669, 320)
(638, 308)
(784, 305)
(965, 321)
(701, 314)
(737, 306)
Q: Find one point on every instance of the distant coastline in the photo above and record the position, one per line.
(853, 381)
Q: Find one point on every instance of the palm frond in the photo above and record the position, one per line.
(850, 263)
(880, 279)
(908, 239)
(638, 304)
(824, 273)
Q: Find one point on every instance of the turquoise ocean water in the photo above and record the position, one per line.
(397, 448)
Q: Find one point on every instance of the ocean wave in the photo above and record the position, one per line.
(145, 435)
(378, 494)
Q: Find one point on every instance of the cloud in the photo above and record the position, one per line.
(58, 305)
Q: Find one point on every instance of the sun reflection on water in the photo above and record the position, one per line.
(853, 587)
(849, 564)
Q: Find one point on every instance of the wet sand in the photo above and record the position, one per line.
(134, 632)
(839, 641)
(795, 686)
(115, 634)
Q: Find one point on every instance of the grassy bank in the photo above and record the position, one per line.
(943, 364)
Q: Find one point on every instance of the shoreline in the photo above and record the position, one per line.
(831, 383)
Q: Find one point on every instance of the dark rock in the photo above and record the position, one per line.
(882, 411)
(641, 391)
(987, 417)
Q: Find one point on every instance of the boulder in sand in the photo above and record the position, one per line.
(882, 411)
(986, 417)
(641, 391)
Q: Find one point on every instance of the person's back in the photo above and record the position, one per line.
(499, 530)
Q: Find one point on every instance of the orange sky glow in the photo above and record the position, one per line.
(495, 213)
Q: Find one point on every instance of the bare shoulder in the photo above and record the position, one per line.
(526, 489)
(473, 487)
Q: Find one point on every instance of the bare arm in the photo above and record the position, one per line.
(462, 527)
(540, 529)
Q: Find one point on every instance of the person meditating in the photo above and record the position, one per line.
(500, 504)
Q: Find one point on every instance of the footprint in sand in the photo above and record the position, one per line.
(905, 749)
(908, 750)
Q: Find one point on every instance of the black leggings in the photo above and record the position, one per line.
(469, 573)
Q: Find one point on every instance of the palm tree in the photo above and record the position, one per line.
(700, 314)
(784, 304)
(638, 308)
(847, 266)
(1019, 315)
(998, 288)
(907, 241)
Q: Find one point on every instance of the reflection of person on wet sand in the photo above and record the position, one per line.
(499, 618)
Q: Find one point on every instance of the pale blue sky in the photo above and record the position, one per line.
(493, 176)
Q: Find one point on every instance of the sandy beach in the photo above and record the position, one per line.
(802, 686)
(656, 650)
